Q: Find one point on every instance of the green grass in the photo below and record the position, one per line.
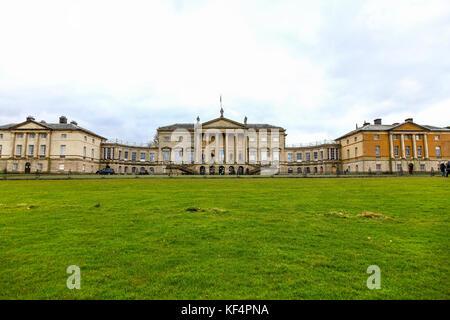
(225, 238)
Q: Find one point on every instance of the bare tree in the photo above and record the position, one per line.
(155, 141)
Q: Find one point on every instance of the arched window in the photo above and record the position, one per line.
(299, 170)
(290, 170)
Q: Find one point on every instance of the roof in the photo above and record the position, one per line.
(389, 127)
(52, 126)
(191, 126)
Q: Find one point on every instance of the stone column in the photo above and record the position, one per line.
(425, 145)
(402, 139)
(414, 146)
(391, 146)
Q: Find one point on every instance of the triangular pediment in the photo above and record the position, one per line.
(222, 123)
(29, 125)
(409, 126)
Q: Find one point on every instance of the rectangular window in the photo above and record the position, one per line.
(1, 135)
(321, 155)
(19, 135)
(191, 156)
(166, 156)
(63, 150)
(30, 150)
(406, 136)
(92, 154)
(395, 137)
(15, 166)
(142, 156)
(396, 151)
(276, 139)
(120, 154)
(299, 157)
(438, 151)
(133, 156)
(31, 136)
(43, 150)
(377, 137)
(436, 138)
(166, 138)
(43, 136)
(422, 167)
(348, 153)
(356, 152)
(419, 151)
(152, 157)
(39, 166)
(61, 167)
(221, 155)
(0, 149)
(417, 137)
(125, 157)
(108, 153)
(276, 155)
(84, 152)
(290, 157)
(63, 135)
(408, 151)
(316, 156)
(308, 157)
(263, 155)
(18, 150)
(377, 151)
(378, 167)
(85, 138)
(332, 153)
(399, 167)
(252, 155)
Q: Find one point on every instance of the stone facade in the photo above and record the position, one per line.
(222, 146)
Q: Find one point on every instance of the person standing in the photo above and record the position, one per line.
(442, 168)
(448, 168)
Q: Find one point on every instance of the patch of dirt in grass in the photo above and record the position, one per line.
(211, 210)
(373, 215)
(338, 214)
(97, 205)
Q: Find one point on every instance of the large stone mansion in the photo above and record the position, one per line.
(222, 146)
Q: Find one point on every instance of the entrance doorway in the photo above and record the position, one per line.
(27, 167)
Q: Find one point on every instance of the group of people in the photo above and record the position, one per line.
(445, 169)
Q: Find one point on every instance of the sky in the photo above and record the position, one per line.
(316, 68)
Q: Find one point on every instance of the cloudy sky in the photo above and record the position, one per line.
(123, 68)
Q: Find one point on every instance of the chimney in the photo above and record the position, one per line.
(377, 121)
(409, 120)
(30, 118)
(74, 123)
(62, 119)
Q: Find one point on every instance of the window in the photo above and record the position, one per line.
(299, 157)
(395, 137)
(406, 136)
(356, 152)
(332, 153)
(0, 149)
(356, 138)
(251, 139)
(18, 150)
(133, 156)
(191, 156)
(378, 167)
(125, 157)
(84, 152)
(276, 139)
(31, 135)
(253, 156)
(419, 151)
(348, 141)
(179, 138)
(316, 155)
(377, 151)
(19, 135)
(63, 135)
(290, 170)
(396, 151)
(30, 150)
(43, 136)
(348, 153)
(408, 151)
(93, 141)
(299, 170)
(308, 170)
(308, 156)
(142, 156)
(399, 167)
(377, 137)
(61, 167)
(436, 138)
(152, 157)
(417, 137)
(422, 167)
(1, 135)
(321, 155)
(42, 150)
(63, 150)
(120, 154)
(92, 154)
(166, 138)
(15, 166)
(276, 155)
(221, 155)
(39, 166)
(166, 155)
(263, 155)
(438, 151)
(290, 157)
(108, 153)
(179, 155)
(85, 138)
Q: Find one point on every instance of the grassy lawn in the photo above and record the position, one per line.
(251, 238)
